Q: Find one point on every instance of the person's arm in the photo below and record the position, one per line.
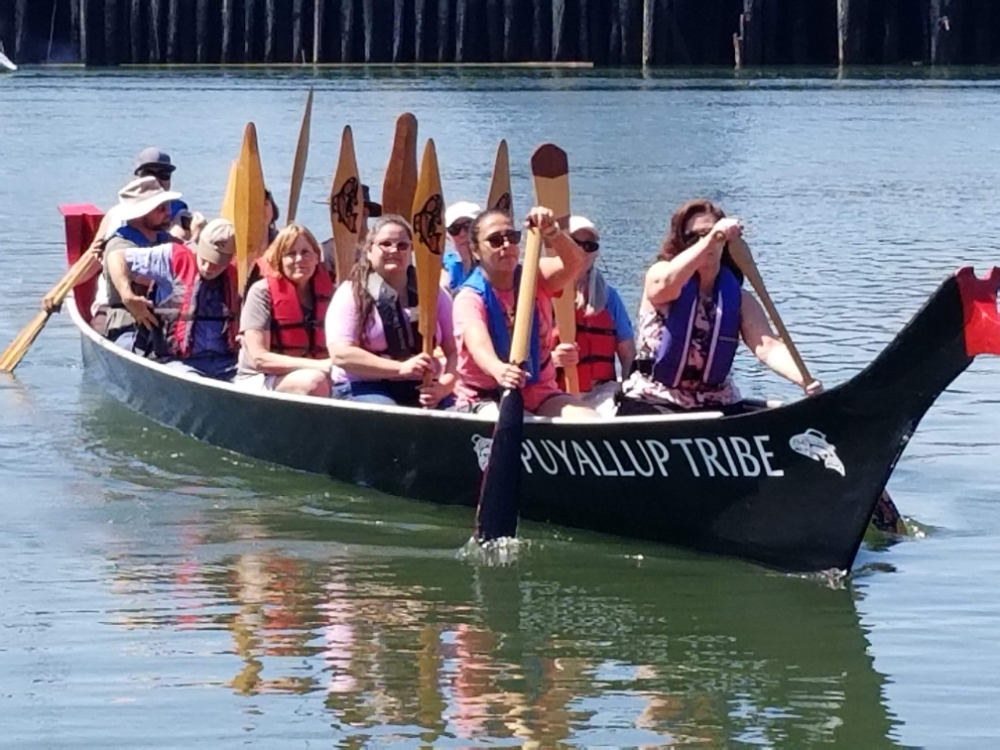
(768, 347)
(445, 281)
(121, 277)
(624, 336)
(666, 278)
(431, 395)
(258, 348)
(341, 325)
(555, 273)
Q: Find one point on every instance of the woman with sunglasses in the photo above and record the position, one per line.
(603, 328)
(458, 262)
(371, 327)
(693, 313)
(484, 317)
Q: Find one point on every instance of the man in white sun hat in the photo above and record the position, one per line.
(141, 219)
(457, 262)
(194, 314)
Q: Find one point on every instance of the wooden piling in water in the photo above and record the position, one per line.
(270, 21)
(461, 30)
(398, 30)
(419, 12)
(319, 17)
(249, 29)
(20, 31)
(368, 24)
(494, 30)
(648, 29)
(347, 31)
(111, 32)
(154, 32)
(135, 31)
(225, 47)
(444, 33)
(201, 31)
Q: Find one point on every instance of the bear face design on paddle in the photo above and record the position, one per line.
(481, 445)
(345, 205)
(813, 444)
(429, 226)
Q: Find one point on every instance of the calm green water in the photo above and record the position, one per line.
(158, 592)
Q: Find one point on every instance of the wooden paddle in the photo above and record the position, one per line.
(251, 229)
(301, 156)
(500, 197)
(345, 208)
(14, 353)
(499, 494)
(229, 199)
(428, 245)
(740, 253)
(401, 174)
(550, 168)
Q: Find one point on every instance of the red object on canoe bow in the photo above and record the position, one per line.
(979, 311)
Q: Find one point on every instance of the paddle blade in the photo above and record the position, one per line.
(400, 182)
(500, 198)
(251, 229)
(229, 199)
(499, 494)
(14, 353)
(301, 157)
(428, 242)
(550, 169)
(345, 207)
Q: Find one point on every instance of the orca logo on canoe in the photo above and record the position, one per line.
(428, 225)
(813, 444)
(345, 204)
(481, 445)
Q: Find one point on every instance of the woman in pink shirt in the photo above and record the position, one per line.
(371, 327)
(484, 317)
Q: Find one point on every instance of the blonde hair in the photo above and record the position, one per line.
(284, 243)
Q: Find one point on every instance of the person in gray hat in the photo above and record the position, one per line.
(140, 219)
(152, 162)
(193, 316)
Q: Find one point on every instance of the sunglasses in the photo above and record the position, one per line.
(589, 246)
(399, 246)
(497, 239)
(690, 238)
(458, 227)
(162, 176)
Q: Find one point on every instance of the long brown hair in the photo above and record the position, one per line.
(676, 240)
(283, 245)
(363, 300)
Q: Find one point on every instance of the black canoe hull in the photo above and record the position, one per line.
(792, 487)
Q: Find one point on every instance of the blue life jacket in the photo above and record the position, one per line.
(138, 239)
(452, 263)
(671, 358)
(496, 322)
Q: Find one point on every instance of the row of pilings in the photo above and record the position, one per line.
(603, 32)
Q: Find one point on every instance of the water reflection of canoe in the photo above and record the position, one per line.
(6, 64)
(791, 487)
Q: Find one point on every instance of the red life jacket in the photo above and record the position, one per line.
(291, 334)
(596, 340)
(177, 329)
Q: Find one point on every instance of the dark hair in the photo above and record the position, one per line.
(476, 222)
(677, 241)
(274, 207)
(363, 300)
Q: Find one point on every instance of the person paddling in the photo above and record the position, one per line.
(693, 313)
(193, 316)
(603, 328)
(484, 311)
(458, 261)
(371, 327)
(144, 207)
(282, 323)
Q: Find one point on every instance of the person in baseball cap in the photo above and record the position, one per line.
(603, 329)
(458, 262)
(195, 298)
(152, 162)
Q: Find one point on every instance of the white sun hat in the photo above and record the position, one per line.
(140, 197)
(461, 210)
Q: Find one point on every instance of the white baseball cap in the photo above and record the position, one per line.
(578, 223)
(459, 211)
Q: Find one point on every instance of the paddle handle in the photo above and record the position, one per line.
(526, 298)
(565, 310)
(740, 254)
(14, 353)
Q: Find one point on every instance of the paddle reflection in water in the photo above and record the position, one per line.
(356, 603)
